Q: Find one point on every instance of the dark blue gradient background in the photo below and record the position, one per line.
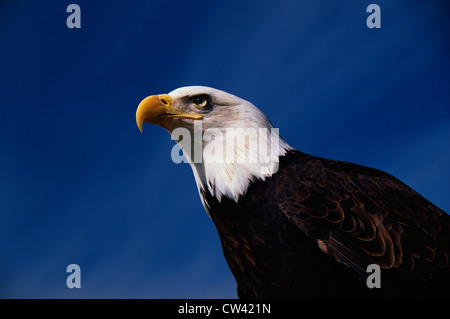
(80, 184)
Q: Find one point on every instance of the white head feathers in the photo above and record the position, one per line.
(231, 146)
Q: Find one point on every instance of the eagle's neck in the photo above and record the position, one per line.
(233, 158)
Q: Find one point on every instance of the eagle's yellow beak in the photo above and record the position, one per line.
(156, 109)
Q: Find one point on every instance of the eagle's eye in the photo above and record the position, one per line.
(201, 101)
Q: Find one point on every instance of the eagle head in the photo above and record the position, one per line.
(227, 141)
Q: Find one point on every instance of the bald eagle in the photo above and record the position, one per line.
(293, 225)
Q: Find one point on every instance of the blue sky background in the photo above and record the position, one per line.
(80, 184)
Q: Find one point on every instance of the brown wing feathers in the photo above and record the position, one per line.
(362, 216)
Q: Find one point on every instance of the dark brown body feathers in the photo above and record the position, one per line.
(311, 230)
